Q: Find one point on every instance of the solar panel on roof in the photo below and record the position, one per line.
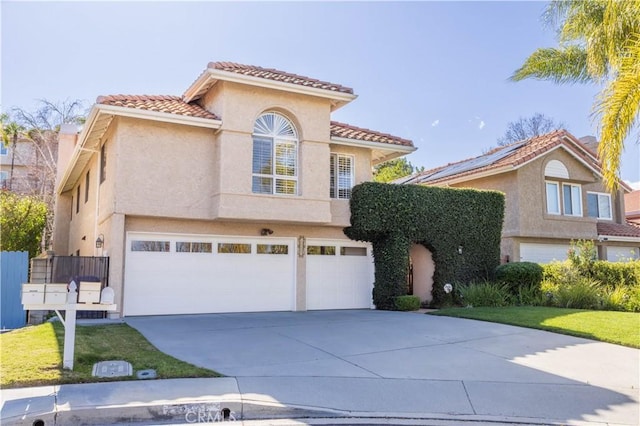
(473, 163)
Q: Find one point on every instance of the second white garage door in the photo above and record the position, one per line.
(543, 253)
(186, 274)
(340, 275)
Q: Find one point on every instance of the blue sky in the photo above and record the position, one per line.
(434, 72)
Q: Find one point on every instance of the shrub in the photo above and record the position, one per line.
(484, 294)
(615, 274)
(582, 293)
(614, 299)
(633, 302)
(407, 303)
(519, 274)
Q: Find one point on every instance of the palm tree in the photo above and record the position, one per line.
(10, 130)
(599, 42)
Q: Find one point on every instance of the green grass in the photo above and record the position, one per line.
(622, 328)
(32, 356)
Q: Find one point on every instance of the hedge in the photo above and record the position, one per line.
(520, 274)
(392, 217)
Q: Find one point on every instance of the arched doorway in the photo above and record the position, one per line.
(421, 270)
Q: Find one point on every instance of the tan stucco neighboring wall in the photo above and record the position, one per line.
(83, 213)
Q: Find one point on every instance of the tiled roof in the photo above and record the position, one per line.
(341, 130)
(158, 103)
(276, 75)
(618, 229)
(512, 155)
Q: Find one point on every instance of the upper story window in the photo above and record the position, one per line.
(3, 149)
(275, 155)
(341, 176)
(86, 187)
(103, 162)
(570, 199)
(599, 205)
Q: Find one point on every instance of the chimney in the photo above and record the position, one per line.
(67, 138)
(590, 142)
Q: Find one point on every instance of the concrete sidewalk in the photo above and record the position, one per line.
(344, 365)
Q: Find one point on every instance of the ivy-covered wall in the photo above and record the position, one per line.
(392, 217)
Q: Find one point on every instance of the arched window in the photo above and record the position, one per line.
(275, 155)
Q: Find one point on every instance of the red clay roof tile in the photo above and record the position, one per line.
(277, 75)
(618, 229)
(520, 153)
(348, 131)
(159, 103)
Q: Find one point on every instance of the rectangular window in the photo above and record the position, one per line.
(78, 199)
(353, 251)
(188, 247)
(103, 162)
(341, 176)
(273, 249)
(572, 200)
(553, 198)
(3, 149)
(4, 179)
(160, 246)
(235, 248)
(599, 205)
(321, 250)
(86, 187)
(274, 166)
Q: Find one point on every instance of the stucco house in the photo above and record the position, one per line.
(229, 198)
(554, 194)
(632, 205)
(24, 169)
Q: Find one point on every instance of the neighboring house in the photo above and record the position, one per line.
(229, 198)
(23, 169)
(632, 205)
(554, 194)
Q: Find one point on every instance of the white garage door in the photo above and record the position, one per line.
(621, 254)
(543, 253)
(340, 275)
(187, 274)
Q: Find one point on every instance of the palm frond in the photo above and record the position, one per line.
(564, 65)
(618, 105)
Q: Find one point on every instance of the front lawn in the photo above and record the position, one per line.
(32, 356)
(622, 328)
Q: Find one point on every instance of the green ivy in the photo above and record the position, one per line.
(392, 217)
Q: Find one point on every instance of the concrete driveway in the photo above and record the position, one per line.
(367, 362)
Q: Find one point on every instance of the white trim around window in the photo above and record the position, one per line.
(599, 205)
(572, 199)
(342, 176)
(553, 197)
(275, 156)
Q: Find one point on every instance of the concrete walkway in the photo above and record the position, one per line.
(372, 364)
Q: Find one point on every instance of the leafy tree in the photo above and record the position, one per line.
(393, 169)
(22, 219)
(599, 42)
(10, 133)
(40, 127)
(525, 128)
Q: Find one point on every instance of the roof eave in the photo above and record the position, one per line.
(472, 176)
(618, 238)
(383, 151)
(211, 76)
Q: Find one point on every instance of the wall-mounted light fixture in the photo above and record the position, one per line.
(266, 231)
(460, 249)
(100, 241)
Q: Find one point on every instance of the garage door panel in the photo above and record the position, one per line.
(339, 281)
(195, 282)
(543, 253)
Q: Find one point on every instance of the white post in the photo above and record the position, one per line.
(70, 327)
